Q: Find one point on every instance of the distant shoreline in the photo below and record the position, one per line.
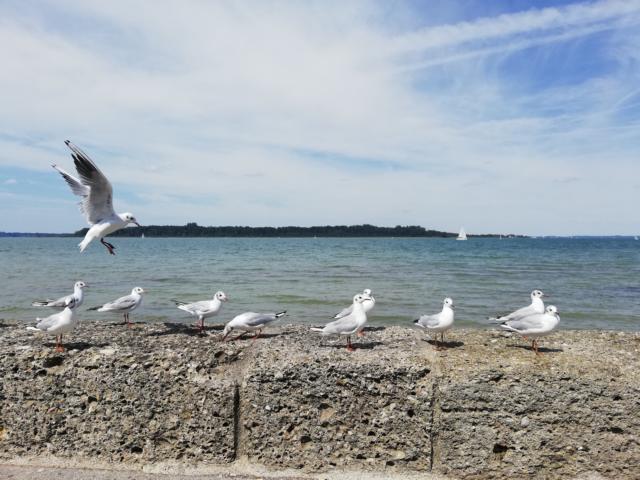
(194, 230)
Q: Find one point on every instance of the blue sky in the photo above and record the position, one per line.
(507, 116)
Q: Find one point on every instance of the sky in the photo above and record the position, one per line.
(502, 117)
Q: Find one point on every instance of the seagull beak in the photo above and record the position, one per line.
(137, 223)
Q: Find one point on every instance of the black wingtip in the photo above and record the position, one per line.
(67, 142)
(281, 314)
(416, 320)
(94, 308)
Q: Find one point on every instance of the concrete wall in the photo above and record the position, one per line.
(486, 407)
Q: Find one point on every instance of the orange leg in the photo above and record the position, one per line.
(534, 345)
(349, 346)
(110, 247)
(59, 347)
(360, 333)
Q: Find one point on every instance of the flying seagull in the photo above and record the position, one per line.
(97, 199)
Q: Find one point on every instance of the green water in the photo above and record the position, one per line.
(595, 282)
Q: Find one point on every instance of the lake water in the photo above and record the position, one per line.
(594, 282)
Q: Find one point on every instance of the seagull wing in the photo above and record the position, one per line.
(524, 324)
(47, 323)
(258, 319)
(93, 186)
(344, 312)
(341, 326)
(428, 321)
(518, 314)
(120, 304)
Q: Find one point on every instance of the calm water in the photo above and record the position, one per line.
(594, 282)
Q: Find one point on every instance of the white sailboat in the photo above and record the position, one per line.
(462, 235)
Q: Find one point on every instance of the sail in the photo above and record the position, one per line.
(462, 235)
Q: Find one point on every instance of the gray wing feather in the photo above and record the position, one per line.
(97, 204)
(122, 303)
(46, 323)
(429, 320)
(260, 318)
(532, 322)
(346, 324)
(344, 312)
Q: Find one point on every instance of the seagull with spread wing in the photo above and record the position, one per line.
(97, 199)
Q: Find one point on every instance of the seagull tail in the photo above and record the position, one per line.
(95, 308)
(178, 302)
(39, 303)
(84, 243)
(281, 314)
(316, 329)
(34, 329)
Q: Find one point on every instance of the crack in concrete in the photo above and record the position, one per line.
(435, 417)
(236, 421)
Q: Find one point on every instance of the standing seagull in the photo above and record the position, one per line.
(250, 322)
(59, 323)
(97, 199)
(536, 307)
(124, 305)
(78, 295)
(534, 326)
(440, 322)
(349, 324)
(205, 308)
(368, 304)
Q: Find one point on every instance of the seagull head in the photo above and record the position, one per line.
(448, 302)
(367, 291)
(359, 298)
(221, 296)
(129, 218)
(80, 285)
(537, 294)
(552, 310)
(138, 291)
(225, 333)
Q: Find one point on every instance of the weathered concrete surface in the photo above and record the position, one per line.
(139, 395)
(314, 406)
(483, 408)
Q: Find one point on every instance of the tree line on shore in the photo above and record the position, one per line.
(194, 230)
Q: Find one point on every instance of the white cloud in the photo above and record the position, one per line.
(284, 113)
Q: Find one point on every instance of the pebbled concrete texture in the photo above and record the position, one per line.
(485, 407)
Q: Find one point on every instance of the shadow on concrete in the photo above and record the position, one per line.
(444, 345)
(355, 344)
(80, 346)
(540, 349)
(186, 329)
